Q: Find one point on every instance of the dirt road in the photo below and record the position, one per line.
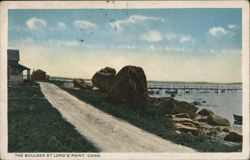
(105, 131)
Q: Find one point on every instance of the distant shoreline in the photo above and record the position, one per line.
(157, 81)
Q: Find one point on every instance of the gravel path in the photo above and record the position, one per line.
(108, 133)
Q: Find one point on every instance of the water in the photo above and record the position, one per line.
(223, 104)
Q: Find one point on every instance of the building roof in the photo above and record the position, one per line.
(13, 55)
(39, 71)
(18, 66)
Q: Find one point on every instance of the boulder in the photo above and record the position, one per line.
(171, 106)
(80, 83)
(205, 112)
(104, 79)
(196, 103)
(182, 115)
(186, 129)
(186, 121)
(217, 120)
(225, 129)
(130, 87)
(234, 136)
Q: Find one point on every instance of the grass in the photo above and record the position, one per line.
(35, 126)
(151, 121)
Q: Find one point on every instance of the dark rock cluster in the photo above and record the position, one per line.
(129, 86)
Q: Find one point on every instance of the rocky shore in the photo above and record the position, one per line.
(129, 86)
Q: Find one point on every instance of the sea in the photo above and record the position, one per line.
(224, 99)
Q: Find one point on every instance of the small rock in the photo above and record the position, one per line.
(80, 83)
(196, 103)
(233, 136)
(170, 116)
(186, 129)
(217, 120)
(225, 129)
(205, 112)
(182, 115)
(178, 132)
(186, 121)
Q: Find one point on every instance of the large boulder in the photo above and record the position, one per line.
(130, 87)
(80, 83)
(171, 106)
(217, 120)
(205, 112)
(104, 79)
(233, 136)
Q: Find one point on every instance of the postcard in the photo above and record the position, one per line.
(124, 80)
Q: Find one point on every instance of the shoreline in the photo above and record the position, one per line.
(140, 119)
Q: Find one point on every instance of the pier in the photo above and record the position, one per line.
(171, 89)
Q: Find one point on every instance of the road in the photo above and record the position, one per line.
(106, 132)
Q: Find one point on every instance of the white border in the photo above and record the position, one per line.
(118, 5)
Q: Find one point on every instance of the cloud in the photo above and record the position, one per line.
(233, 26)
(83, 24)
(133, 19)
(36, 23)
(170, 37)
(184, 39)
(151, 36)
(218, 31)
(126, 47)
(67, 43)
(61, 25)
(175, 49)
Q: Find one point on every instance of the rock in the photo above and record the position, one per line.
(130, 87)
(170, 106)
(80, 83)
(186, 121)
(232, 144)
(196, 103)
(205, 112)
(104, 79)
(202, 120)
(225, 129)
(186, 129)
(178, 132)
(233, 136)
(182, 115)
(217, 120)
(170, 116)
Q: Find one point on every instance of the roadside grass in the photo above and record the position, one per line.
(151, 121)
(35, 126)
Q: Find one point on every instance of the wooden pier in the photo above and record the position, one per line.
(192, 89)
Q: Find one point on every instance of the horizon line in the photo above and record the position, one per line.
(169, 81)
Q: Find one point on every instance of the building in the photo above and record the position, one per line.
(16, 71)
(39, 75)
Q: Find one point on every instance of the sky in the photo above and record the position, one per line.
(202, 45)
